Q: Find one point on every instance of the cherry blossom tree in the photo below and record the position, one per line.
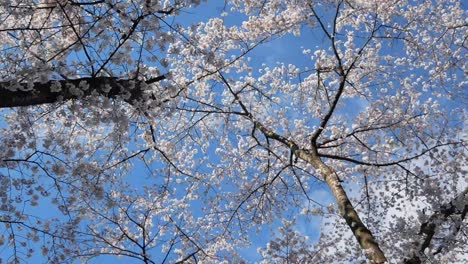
(129, 131)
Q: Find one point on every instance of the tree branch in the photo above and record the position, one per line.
(362, 234)
(457, 206)
(14, 94)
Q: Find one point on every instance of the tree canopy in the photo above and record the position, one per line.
(177, 131)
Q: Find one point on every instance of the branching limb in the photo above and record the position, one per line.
(14, 94)
(456, 208)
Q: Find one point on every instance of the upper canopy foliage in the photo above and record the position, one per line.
(129, 130)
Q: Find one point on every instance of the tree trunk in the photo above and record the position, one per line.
(14, 94)
(347, 211)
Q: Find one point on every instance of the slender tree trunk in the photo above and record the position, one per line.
(347, 211)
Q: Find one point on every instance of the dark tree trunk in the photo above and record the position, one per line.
(23, 94)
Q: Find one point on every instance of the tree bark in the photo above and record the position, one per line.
(361, 233)
(14, 94)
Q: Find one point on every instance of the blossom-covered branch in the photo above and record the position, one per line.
(13, 94)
